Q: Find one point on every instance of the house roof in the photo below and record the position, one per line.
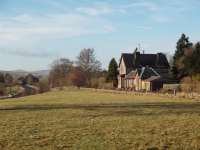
(131, 75)
(145, 73)
(148, 72)
(152, 78)
(138, 60)
(128, 59)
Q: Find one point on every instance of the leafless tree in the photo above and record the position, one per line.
(59, 70)
(88, 63)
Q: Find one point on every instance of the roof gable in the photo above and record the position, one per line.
(137, 60)
(147, 73)
(128, 59)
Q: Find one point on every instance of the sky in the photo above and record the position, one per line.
(33, 33)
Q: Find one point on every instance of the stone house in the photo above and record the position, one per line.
(142, 72)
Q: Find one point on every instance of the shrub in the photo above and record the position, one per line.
(43, 86)
(2, 89)
(191, 84)
(77, 77)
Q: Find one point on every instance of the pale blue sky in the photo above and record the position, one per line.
(35, 32)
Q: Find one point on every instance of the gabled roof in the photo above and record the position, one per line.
(147, 73)
(128, 59)
(137, 60)
(144, 73)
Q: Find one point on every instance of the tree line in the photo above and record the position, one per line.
(186, 60)
(14, 85)
(186, 63)
(85, 71)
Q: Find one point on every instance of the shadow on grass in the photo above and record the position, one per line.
(155, 108)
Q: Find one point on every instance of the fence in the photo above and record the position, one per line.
(177, 95)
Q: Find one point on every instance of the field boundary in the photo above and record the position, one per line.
(194, 96)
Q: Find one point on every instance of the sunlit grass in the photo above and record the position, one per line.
(74, 96)
(85, 119)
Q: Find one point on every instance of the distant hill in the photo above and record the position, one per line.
(18, 73)
(41, 73)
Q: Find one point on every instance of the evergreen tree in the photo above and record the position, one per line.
(195, 60)
(179, 69)
(113, 72)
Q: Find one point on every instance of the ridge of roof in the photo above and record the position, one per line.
(147, 59)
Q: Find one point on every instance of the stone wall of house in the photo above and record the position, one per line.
(122, 68)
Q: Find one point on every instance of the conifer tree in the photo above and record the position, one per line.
(179, 69)
(113, 72)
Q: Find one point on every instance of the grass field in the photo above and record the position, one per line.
(88, 120)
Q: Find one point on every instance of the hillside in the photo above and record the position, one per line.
(85, 119)
(18, 73)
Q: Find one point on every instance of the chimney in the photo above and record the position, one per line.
(158, 58)
(136, 58)
(136, 53)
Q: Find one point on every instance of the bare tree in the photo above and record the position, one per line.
(59, 70)
(88, 63)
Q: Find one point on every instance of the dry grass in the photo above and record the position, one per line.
(74, 119)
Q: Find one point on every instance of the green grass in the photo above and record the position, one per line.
(84, 119)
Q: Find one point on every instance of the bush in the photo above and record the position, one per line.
(191, 84)
(2, 89)
(95, 83)
(101, 83)
(43, 86)
(77, 77)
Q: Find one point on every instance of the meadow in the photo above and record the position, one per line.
(74, 119)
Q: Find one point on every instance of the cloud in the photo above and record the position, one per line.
(145, 5)
(22, 18)
(160, 11)
(82, 21)
(95, 11)
(151, 9)
(27, 53)
(100, 9)
(26, 27)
